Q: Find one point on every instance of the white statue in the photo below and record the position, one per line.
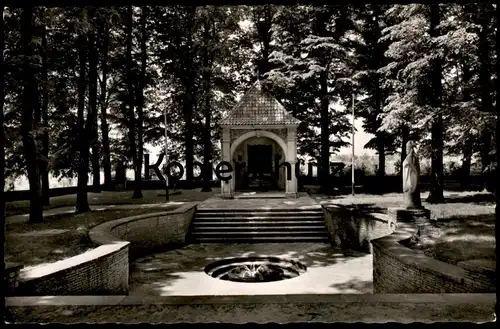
(411, 177)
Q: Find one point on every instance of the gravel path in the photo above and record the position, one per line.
(375, 309)
(68, 210)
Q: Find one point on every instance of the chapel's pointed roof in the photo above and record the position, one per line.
(257, 107)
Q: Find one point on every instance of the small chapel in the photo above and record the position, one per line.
(257, 136)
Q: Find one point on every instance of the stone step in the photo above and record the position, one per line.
(257, 218)
(262, 239)
(251, 234)
(259, 214)
(260, 197)
(251, 228)
(259, 225)
(238, 222)
(315, 210)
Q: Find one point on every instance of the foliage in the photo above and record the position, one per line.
(311, 57)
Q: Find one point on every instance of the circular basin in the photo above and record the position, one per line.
(255, 269)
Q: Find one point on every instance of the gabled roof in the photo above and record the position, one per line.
(257, 107)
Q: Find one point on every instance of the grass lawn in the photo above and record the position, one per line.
(464, 227)
(59, 237)
(459, 239)
(110, 197)
(66, 235)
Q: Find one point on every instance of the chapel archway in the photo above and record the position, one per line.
(256, 157)
(259, 127)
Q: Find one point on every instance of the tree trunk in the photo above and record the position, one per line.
(466, 164)
(131, 102)
(381, 160)
(189, 101)
(140, 106)
(92, 109)
(188, 117)
(29, 100)
(485, 148)
(44, 163)
(106, 161)
(437, 179)
(325, 135)
(82, 202)
(207, 149)
(2, 132)
(265, 34)
(497, 171)
(377, 64)
(467, 147)
(405, 136)
(485, 74)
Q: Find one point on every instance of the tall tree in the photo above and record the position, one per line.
(434, 94)
(29, 102)
(370, 58)
(207, 70)
(2, 132)
(131, 103)
(189, 100)
(263, 19)
(464, 121)
(141, 97)
(497, 154)
(104, 32)
(484, 13)
(317, 61)
(320, 30)
(92, 108)
(413, 76)
(82, 203)
(44, 161)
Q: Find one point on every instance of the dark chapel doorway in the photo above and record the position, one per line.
(258, 173)
(260, 167)
(260, 159)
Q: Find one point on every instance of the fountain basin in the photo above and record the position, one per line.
(255, 269)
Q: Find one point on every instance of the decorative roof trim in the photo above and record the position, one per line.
(237, 115)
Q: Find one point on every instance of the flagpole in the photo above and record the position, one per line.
(167, 197)
(352, 166)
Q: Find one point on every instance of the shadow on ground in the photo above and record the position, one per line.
(479, 198)
(354, 285)
(151, 275)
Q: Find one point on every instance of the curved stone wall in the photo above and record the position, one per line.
(147, 233)
(398, 269)
(100, 271)
(353, 229)
(105, 269)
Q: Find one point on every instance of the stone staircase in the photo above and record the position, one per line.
(258, 225)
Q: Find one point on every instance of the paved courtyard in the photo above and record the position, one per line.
(261, 201)
(180, 272)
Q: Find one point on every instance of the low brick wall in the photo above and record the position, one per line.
(149, 232)
(105, 269)
(398, 269)
(11, 278)
(352, 229)
(101, 271)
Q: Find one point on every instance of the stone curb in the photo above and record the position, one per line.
(101, 234)
(462, 298)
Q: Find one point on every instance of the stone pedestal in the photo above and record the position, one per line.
(418, 216)
(291, 195)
